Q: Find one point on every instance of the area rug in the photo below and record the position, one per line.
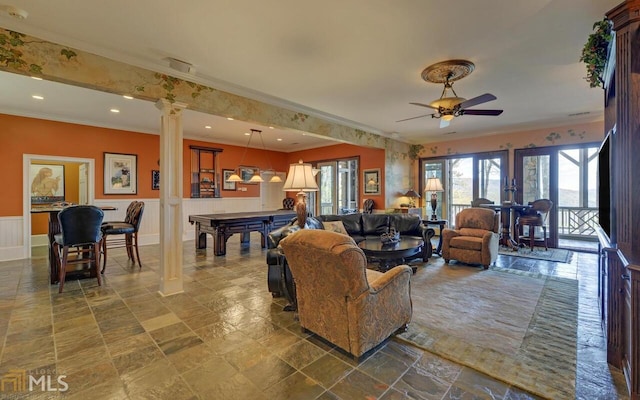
(557, 255)
(515, 326)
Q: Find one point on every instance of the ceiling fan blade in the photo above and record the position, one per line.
(419, 116)
(424, 105)
(444, 123)
(483, 98)
(481, 112)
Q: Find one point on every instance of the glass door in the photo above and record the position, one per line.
(338, 186)
(459, 184)
(327, 188)
(464, 178)
(567, 176)
(490, 169)
(435, 169)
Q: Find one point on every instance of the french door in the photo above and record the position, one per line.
(338, 186)
(463, 178)
(567, 176)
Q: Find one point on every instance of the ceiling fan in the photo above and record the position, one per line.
(448, 107)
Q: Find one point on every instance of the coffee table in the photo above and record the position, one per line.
(389, 255)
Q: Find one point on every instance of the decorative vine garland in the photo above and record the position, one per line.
(595, 52)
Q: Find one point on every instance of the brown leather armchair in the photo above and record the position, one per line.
(340, 299)
(474, 239)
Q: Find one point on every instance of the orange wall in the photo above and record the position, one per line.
(369, 158)
(230, 158)
(21, 135)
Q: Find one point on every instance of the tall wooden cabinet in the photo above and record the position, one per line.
(620, 251)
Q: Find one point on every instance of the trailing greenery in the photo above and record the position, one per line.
(594, 52)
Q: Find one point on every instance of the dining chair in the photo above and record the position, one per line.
(367, 206)
(480, 200)
(536, 218)
(123, 233)
(288, 203)
(79, 238)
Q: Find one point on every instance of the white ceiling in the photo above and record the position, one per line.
(357, 62)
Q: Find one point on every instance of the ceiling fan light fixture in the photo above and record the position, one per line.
(447, 102)
(448, 117)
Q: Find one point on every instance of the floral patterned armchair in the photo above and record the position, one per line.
(475, 239)
(341, 300)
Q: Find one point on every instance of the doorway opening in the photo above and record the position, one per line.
(84, 191)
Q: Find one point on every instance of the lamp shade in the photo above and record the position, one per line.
(300, 178)
(433, 185)
(412, 193)
(234, 178)
(256, 178)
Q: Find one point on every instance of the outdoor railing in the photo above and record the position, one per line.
(572, 221)
(577, 221)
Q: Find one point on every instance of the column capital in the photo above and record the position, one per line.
(167, 106)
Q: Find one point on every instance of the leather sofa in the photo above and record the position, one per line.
(358, 226)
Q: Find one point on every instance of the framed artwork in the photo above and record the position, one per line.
(246, 173)
(226, 173)
(155, 179)
(120, 173)
(371, 181)
(47, 183)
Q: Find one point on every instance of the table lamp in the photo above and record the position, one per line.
(434, 186)
(300, 179)
(412, 195)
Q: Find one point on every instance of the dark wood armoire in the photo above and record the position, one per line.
(619, 283)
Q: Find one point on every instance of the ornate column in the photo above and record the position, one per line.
(170, 197)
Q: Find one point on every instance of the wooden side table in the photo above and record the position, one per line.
(441, 223)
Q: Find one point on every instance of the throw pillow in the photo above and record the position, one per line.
(335, 226)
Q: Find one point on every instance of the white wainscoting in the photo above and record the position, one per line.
(12, 246)
(11, 243)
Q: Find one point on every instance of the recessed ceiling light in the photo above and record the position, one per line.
(37, 97)
(271, 127)
(247, 134)
(279, 139)
(13, 11)
(126, 96)
(36, 78)
(207, 127)
(114, 110)
(230, 119)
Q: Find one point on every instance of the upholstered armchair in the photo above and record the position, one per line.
(340, 299)
(474, 239)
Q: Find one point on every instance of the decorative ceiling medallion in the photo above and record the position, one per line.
(450, 70)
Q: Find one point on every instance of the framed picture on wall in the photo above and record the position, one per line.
(226, 173)
(246, 173)
(155, 179)
(371, 181)
(120, 173)
(47, 183)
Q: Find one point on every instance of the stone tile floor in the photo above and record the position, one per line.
(225, 337)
